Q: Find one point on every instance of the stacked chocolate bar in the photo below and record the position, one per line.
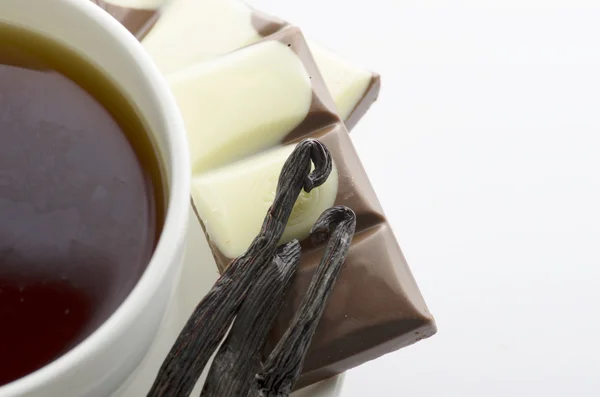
(250, 87)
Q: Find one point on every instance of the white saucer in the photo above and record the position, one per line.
(198, 275)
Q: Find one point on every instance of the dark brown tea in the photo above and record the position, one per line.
(81, 200)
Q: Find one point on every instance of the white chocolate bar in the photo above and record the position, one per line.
(191, 31)
(233, 201)
(242, 102)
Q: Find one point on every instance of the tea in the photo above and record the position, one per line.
(81, 199)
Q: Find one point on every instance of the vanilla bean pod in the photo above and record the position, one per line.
(238, 360)
(212, 317)
(284, 365)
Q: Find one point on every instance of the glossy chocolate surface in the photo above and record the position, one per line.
(322, 109)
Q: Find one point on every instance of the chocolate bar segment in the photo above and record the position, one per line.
(233, 201)
(256, 176)
(251, 100)
(192, 31)
(354, 89)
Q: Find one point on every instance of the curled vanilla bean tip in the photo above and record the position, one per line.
(296, 175)
(284, 365)
(323, 227)
(321, 158)
(238, 359)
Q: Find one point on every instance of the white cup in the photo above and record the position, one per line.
(102, 362)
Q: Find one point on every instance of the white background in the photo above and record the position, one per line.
(484, 148)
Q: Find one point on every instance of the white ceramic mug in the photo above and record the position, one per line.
(101, 363)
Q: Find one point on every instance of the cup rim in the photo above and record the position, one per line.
(172, 238)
